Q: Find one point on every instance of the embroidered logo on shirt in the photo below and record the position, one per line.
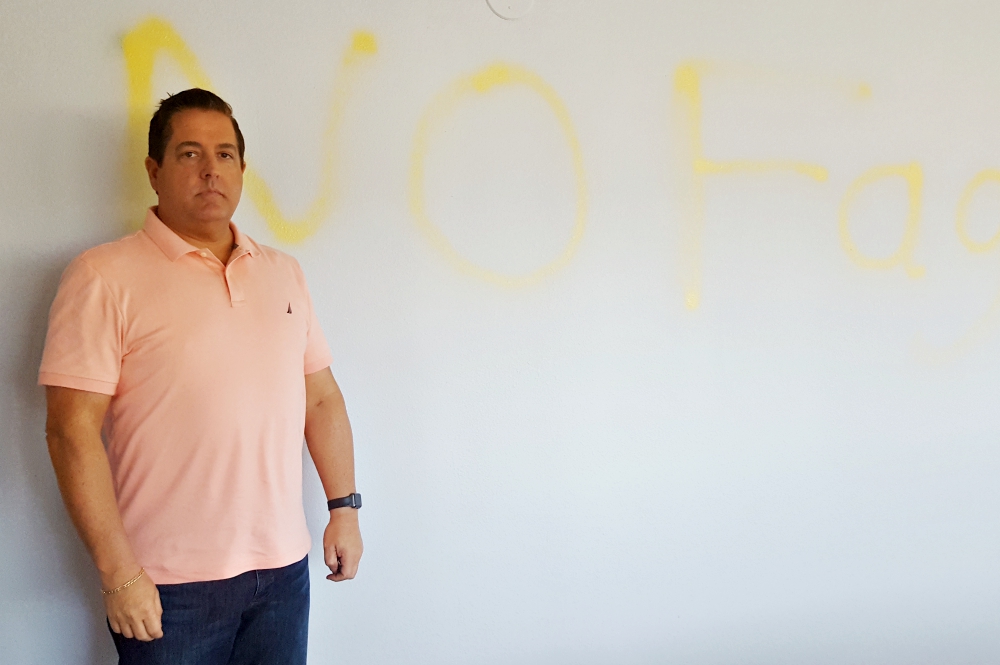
(289, 308)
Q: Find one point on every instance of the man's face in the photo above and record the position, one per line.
(201, 177)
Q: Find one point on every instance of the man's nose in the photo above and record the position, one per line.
(210, 168)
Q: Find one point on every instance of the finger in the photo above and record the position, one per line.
(349, 565)
(153, 627)
(139, 630)
(127, 630)
(114, 625)
(350, 558)
(336, 571)
(332, 558)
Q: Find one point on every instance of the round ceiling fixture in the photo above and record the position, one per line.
(511, 10)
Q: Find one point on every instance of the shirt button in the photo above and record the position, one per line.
(204, 254)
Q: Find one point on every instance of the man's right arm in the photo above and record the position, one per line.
(73, 433)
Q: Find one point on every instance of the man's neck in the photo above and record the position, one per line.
(216, 237)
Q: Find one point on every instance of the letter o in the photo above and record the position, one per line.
(440, 108)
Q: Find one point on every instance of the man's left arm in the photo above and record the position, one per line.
(331, 445)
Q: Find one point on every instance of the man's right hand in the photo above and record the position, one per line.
(135, 611)
(73, 432)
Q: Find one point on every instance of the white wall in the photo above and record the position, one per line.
(802, 469)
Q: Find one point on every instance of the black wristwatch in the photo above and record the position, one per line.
(349, 501)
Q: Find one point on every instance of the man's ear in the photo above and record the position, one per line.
(243, 166)
(152, 170)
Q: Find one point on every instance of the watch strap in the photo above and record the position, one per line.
(349, 501)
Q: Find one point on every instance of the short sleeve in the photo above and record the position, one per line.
(317, 354)
(83, 347)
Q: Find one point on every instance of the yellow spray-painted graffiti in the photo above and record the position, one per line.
(977, 333)
(153, 37)
(687, 91)
(914, 177)
(980, 329)
(483, 82)
(962, 214)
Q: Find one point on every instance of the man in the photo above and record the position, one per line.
(198, 352)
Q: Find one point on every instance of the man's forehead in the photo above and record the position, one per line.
(192, 125)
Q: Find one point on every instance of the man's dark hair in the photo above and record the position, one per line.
(194, 98)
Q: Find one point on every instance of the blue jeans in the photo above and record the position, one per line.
(260, 617)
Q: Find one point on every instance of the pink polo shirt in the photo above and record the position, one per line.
(206, 365)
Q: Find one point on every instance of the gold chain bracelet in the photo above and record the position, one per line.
(126, 585)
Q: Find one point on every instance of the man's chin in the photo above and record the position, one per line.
(212, 217)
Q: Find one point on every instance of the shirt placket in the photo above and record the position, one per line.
(232, 275)
(229, 274)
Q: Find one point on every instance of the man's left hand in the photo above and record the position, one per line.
(342, 546)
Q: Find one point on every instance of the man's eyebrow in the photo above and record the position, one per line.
(187, 144)
(194, 144)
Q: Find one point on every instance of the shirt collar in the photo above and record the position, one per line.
(243, 241)
(174, 247)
